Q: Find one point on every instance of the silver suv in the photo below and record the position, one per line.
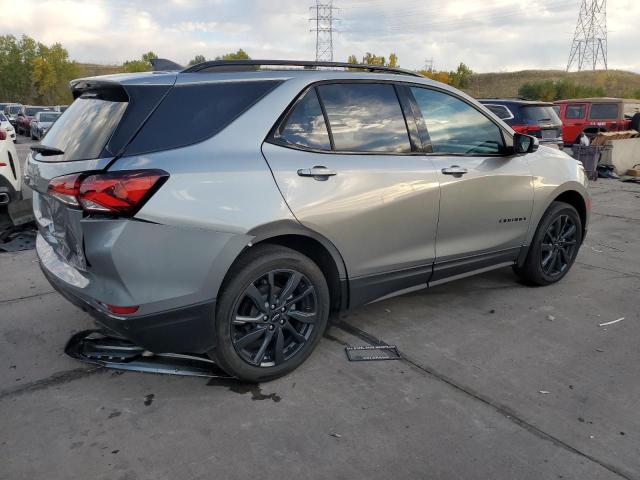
(228, 208)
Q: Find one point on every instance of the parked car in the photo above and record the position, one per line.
(593, 115)
(529, 117)
(25, 115)
(305, 191)
(10, 172)
(7, 127)
(41, 123)
(11, 112)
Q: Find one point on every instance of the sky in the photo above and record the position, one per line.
(487, 35)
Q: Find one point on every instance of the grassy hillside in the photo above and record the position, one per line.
(616, 83)
(91, 69)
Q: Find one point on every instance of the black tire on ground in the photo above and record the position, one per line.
(251, 269)
(635, 122)
(534, 271)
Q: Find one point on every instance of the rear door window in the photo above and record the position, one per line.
(195, 112)
(365, 117)
(85, 128)
(305, 126)
(604, 111)
(574, 112)
(455, 126)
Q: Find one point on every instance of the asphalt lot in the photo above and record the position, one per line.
(466, 401)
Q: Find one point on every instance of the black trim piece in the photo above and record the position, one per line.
(409, 118)
(373, 287)
(325, 116)
(460, 266)
(12, 165)
(228, 65)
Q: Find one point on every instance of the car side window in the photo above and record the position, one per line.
(574, 112)
(305, 126)
(455, 126)
(500, 111)
(604, 111)
(365, 117)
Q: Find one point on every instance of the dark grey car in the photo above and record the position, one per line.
(282, 195)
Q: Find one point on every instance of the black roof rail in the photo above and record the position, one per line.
(234, 65)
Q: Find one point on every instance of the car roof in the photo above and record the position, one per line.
(599, 100)
(514, 101)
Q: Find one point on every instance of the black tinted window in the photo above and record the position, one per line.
(365, 117)
(500, 111)
(85, 128)
(535, 114)
(574, 111)
(192, 113)
(306, 126)
(603, 111)
(456, 127)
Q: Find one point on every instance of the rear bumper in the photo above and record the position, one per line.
(180, 330)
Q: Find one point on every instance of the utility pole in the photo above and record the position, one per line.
(589, 46)
(428, 65)
(323, 19)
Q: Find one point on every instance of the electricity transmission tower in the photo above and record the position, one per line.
(589, 47)
(323, 16)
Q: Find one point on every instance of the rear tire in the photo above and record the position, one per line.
(271, 313)
(554, 247)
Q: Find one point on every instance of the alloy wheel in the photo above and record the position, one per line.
(274, 317)
(559, 245)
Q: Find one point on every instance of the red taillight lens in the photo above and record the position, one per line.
(3, 134)
(121, 193)
(66, 189)
(122, 310)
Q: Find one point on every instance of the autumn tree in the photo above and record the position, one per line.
(197, 59)
(239, 55)
(142, 65)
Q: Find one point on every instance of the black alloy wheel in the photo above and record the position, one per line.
(559, 246)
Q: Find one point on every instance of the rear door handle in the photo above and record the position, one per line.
(454, 170)
(320, 172)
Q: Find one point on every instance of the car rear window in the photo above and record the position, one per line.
(31, 111)
(365, 117)
(192, 113)
(603, 111)
(85, 128)
(500, 111)
(12, 109)
(536, 114)
(48, 117)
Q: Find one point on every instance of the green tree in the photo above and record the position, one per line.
(239, 55)
(142, 65)
(548, 90)
(51, 73)
(461, 77)
(197, 59)
(373, 59)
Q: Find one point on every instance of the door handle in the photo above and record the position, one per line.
(454, 170)
(318, 172)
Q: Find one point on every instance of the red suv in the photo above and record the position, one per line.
(594, 115)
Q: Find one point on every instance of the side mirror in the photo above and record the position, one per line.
(524, 144)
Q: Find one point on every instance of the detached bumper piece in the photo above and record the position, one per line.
(93, 346)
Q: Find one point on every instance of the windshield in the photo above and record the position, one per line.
(86, 127)
(31, 111)
(49, 117)
(12, 109)
(2, 117)
(535, 114)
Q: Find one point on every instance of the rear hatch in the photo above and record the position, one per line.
(87, 137)
(542, 122)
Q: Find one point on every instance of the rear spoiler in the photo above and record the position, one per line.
(164, 65)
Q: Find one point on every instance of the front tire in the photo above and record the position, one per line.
(554, 247)
(271, 313)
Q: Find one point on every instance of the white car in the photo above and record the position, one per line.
(6, 125)
(10, 172)
(41, 123)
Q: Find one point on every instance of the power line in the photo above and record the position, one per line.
(589, 46)
(323, 16)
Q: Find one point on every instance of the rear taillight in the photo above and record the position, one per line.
(116, 193)
(527, 129)
(3, 134)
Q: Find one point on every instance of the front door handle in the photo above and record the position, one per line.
(454, 170)
(317, 172)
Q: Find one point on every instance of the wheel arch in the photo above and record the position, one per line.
(313, 245)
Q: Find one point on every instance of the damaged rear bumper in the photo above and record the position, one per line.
(185, 329)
